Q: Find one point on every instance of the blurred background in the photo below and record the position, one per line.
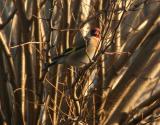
(120, 87)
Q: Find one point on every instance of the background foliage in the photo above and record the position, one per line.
(120, 87)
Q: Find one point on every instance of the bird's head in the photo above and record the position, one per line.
(95, 32)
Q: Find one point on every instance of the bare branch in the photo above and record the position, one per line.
(145, 113)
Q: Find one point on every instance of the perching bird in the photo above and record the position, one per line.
(83, 51)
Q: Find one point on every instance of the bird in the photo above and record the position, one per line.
(83, 51)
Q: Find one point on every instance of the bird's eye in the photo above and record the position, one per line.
(95, 32)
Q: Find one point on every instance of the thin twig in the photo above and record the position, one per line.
(20, 45)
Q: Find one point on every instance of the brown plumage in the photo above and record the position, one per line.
(83, 51)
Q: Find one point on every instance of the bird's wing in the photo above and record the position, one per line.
(65, 53)
(68, 52)
(79, 43)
